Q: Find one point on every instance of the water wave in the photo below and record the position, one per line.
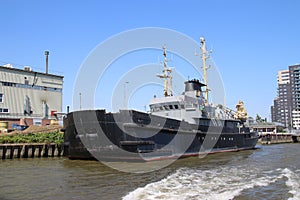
(219, 183)
(293, 183)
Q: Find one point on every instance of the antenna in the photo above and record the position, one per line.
(166, 75)
(205, 56)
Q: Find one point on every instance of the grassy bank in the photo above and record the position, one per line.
(47, 137)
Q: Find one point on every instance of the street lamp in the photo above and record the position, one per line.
(125, 94)
(79, 100)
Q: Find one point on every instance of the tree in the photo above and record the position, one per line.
(259, 119)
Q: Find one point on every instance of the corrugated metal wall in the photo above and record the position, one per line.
(27, 90)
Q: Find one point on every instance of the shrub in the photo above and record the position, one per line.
(52, 137)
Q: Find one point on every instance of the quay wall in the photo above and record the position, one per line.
(278, 138)
(30, 150)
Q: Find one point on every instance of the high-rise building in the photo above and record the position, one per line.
(275, 111)
(286, 107)
(283, 77)
(295, 90)
(283, 100)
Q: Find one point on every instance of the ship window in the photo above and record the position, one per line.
(204, 122)
(1, 98)
(171, 107)
(166, 107)
(182, 106)
(230, 124)
(152, 108)
(176, 106)
(161, 108)
(189, 105)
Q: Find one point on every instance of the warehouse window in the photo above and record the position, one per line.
(4, 110)
(27, 85)
(1, 98)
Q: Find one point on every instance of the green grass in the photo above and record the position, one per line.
(52, 137)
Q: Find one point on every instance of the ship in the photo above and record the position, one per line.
(176, 126)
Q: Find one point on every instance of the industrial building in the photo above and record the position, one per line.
(28, 97)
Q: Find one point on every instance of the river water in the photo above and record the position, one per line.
(269, 172)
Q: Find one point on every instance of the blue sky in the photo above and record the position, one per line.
(251, 40)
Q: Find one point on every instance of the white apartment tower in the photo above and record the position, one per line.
(286, 108)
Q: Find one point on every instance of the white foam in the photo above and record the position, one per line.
(219, 183)
(293, 183)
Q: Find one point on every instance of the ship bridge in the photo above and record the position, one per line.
(188, 106)
(167, 106)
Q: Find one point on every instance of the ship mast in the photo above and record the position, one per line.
(166, 75)
(205, 56)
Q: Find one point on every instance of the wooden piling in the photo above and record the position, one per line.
(4, 152)
(19, 151)
(10, 151)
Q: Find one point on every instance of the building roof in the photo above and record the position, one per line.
(27, 71)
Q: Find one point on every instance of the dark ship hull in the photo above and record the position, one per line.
(132, 135)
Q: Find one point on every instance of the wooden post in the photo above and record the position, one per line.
(40, 149)
(46, 149)
(19, 147)
(60, 149)
(11, 155)
(25, 153)
(3, 152)
(52, 150)
(32, 150)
